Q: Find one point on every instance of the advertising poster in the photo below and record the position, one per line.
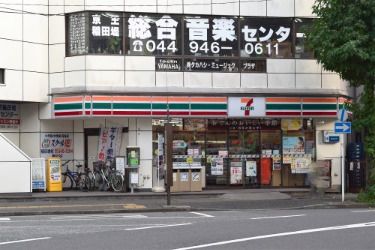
(57, 145)
(291, 124)
(251, 168)
(235, 175)
(9, 115)
(39, 174)
(217, 166)
(294, 144)
(109, 143)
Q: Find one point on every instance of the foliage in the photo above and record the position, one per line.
(368, 196)
(343, 40)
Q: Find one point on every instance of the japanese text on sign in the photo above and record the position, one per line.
(153, 35)
(57, 145)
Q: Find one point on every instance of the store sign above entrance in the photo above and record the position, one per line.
(246, 107)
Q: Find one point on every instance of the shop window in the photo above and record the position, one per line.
(2, 76)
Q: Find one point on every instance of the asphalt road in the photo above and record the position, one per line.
(268, 229)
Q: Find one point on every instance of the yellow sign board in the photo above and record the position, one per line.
(54, 181)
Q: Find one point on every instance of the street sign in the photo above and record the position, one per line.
(342, 115)
(343, 127)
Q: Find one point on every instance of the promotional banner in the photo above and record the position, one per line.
(109, 143)
(246, 107)
(57, 145)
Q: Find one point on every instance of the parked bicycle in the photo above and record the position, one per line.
(76, 179)
(106, 177)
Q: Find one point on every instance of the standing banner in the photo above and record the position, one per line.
(109, 143)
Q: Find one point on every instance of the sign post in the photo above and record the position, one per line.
(342, 127)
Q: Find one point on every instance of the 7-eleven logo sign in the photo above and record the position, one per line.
(246, 107)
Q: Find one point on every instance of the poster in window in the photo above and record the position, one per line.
(293, 144)
(267, 37)
(106, 33)
(236, 175)
(208, 36)
(217, 166)
(251, 168)
(153, 34)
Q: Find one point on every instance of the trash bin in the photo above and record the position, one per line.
(184, 180)
(195, 179)
(176, 182)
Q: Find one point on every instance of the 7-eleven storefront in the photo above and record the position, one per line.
(235, 141)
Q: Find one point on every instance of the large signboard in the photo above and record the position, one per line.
(9, 115)
(57, 145)
(190, 43)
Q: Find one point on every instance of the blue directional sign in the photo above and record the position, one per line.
(343, 127)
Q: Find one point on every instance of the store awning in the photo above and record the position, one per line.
(190, 106)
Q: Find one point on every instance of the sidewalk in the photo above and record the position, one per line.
(76, 202)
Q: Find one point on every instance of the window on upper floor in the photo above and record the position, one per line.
(2, 76)
(302, 51)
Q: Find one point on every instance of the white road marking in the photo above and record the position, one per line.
(26, 240)
(136, 216)
(277, 217)
(306, 231)
(4, 219)
(157, 226)
(203, 215)
(363, 211)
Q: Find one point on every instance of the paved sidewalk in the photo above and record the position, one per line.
(76, 202)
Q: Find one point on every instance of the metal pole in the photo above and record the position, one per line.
(342, 168)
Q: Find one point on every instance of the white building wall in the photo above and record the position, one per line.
(329, 151)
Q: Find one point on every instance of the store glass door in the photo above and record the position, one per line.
(244, 152)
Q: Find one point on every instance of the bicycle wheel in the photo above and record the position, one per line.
(91, 177)
(117, 182)
(98, 180)
(67, 182)
(84, 183)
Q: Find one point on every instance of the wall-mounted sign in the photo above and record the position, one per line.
(57, 145)
(291, 124)
(244, 124)
(9, 115)
(211, 65)
(254, 66)
(173, 35)
(246, 107)
(168, 64)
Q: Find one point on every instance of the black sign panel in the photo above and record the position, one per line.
(106, 33)
(266, 37)
(211, 65)
(153, 34)
(254, 66)
(208, 36)
(77, 40)
(168, 64)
